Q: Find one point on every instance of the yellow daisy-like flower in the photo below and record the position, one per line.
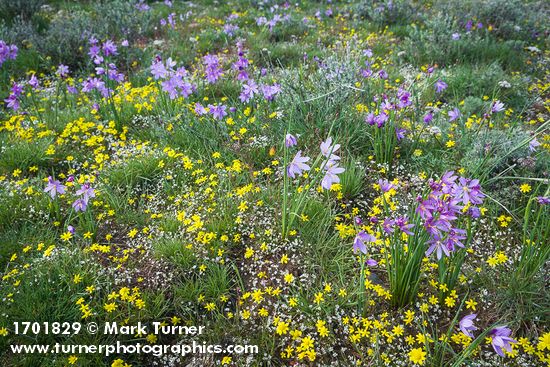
(417, 356)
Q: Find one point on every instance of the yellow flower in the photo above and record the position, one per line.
(226, 360)
(77, 278)
(282, 328)
(110, 307)
(471, 304)
(398, 330)
(66, 236)
(525, 188)
(72, 359)
(417, 356)
(544, 342)
(409, 317)
(450, 301)
(120, 363)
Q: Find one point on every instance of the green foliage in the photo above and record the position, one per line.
(11, 9)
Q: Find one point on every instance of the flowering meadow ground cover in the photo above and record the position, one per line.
(341, 183)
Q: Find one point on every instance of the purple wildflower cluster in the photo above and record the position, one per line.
(440, 86)
(213, 70)
(446, 202)
(250, 89)
(170, 21)
(497, 106)
(500, 335)
(98, 52)
(330, 164)
(174, 79)
(7, 52)
(107, 71)
(85, 193)
(367, 71)
(397, 103)
(142, 6)
(242, 63)
(229, 28)
(270, 24)
(13, 99)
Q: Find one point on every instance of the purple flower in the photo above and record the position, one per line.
(454, 114)
(385, 185)
(7, 52)
(366, 73)
(270, 91)
(16, 89)
(199, 109)
(290, 140)
(248, 91)
(62, 71)
(70, 229)
(497, 106)
(86, 191)
(371, 262)
(218, 112)
(381, 119)
(54, 187)
(12, 102)
(428, 118)
(455, 36)
(456, 235)
(501, 339)
(230, 29)
(543, 200)
(33, 82)
(213, 70)
(370, 119)
(400, 133)
(170, 86)
(80, 205)
(469, 191)
(109, 48)
(404, 225)
(327, 149)
(448, 181)
(142, 6)
(438, 246)
(158, 69)
(331, 175)
(440, 86)
(404, 98)
(359, 243)
(533, 144)
(466, 325)
(298, 165)
(388, 225)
